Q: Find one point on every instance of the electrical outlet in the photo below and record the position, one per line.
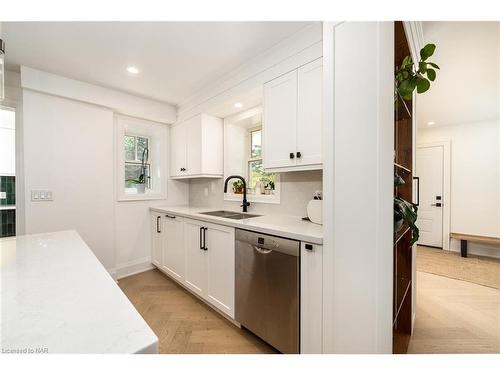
(3, 195)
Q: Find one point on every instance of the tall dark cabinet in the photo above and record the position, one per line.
(403, 162)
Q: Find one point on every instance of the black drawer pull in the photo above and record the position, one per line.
(308, 247)
(292, 155)
(299, 155)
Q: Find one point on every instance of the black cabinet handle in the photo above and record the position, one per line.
(205, 238)
(292, 155)
(183, 169)
(170, 217)
(418, 190)
(299, 155)
(201, 236)
(158, 230)
(308, 247)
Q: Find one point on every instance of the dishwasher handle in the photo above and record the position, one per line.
(261, 250)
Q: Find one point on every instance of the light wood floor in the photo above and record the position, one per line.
(182, 322)
(455, 316)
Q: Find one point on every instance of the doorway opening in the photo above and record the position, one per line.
(457, 165)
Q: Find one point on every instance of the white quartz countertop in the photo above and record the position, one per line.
(56, 297)
(275, 224)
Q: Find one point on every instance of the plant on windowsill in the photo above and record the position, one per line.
(141, 182)
(405, 212)
(238, 187)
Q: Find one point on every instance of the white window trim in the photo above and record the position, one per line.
(256, 198)
(152, 130)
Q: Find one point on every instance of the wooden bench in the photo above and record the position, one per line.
(470, 237)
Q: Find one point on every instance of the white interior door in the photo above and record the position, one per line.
(429, 168)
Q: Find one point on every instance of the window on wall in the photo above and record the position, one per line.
(243, 151)
(141, 159)
(260, 182)
(137, 157)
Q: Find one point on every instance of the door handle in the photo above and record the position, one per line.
(418, 190)
(205, 238)
(158, 230)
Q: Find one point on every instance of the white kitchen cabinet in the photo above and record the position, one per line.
(196, 278)
(174, 261)
(311, 303)
(292, 120)
(280, 121)
(156, 238)
(221, 280)
(196, 147)
(309, 113)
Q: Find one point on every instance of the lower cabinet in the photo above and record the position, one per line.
(156, 239)
(311, 298)
(198, 255)
(173, 263)
(201, 256)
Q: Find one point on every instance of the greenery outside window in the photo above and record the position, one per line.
(260, 182)
(134, 146)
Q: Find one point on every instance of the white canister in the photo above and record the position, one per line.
(315, 211)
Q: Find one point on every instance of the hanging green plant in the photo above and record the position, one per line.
(410, 76)
(405, 213)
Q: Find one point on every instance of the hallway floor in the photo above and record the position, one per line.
(182, 322)
(455, 316)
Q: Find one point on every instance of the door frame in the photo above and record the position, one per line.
(446, 144)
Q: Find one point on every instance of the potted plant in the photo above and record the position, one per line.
(238, 187)
(405, 212)
(410, 76)
(269, 187)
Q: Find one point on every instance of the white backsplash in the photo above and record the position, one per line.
(297, 189)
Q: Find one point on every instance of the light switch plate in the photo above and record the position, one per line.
(41, 195)
(3, 195)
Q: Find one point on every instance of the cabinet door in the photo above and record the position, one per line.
(311, 298)
(196, 257)
(309, 113)
(156, 238)
(280, 121)
(178, 163)
(193, 141)
(221, 252)
(174, 261)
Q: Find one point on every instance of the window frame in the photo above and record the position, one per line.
(158, 144)
(251, 197)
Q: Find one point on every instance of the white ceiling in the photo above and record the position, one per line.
(175, 59)
(467, 88)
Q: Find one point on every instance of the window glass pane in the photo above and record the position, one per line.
(129, 143)
(142, 143)
(257, 174)
(132, 172)
(256, 144)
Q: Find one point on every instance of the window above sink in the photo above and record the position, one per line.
(243, 150)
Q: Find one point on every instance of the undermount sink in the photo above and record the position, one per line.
(230, 214)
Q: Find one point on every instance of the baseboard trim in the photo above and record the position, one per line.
(133, 267)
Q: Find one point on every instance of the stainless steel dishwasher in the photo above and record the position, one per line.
(268, 288)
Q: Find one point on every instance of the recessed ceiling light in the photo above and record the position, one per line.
(430, 123)
(133, 70)
(238, 105)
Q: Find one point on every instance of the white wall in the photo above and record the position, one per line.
(475, 179)
(68, 148)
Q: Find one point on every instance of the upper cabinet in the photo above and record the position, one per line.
(292, 120)
(196, 147)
